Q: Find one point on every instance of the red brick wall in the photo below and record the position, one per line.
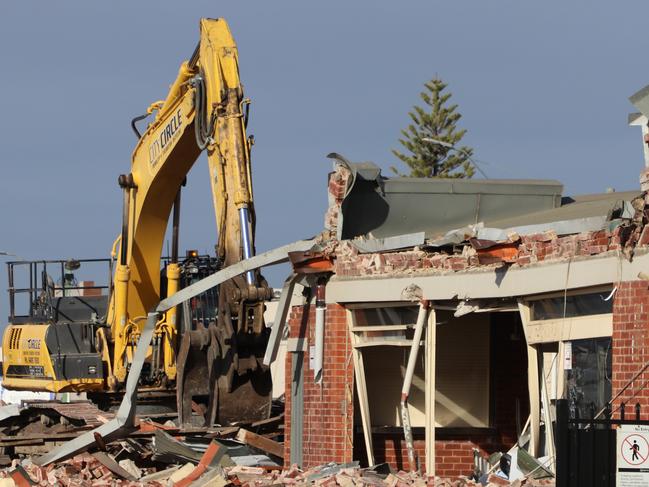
(630, 346)
(452, 457)
(328, 407)
(337, 185)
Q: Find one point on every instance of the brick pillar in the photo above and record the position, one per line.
(328, 407)
(630, 345)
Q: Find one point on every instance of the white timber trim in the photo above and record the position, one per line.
(361, 387)
(559, 331)
(577, 328)
(380, 304)
(547, 415)
(560, 393)
(431, 343)
(381, 328)
(532, 382)
(364, 342)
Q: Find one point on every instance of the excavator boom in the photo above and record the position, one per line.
(204, 111)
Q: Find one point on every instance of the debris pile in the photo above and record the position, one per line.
(88, 470)
(156, 449)
(157, 453)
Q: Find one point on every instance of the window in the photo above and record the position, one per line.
(597, 303)
(390, 325)
(588, 314)
(589, 379)
(463, 370)
(394, 315)
(462, 394)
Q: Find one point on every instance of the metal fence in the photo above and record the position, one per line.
(586, 447)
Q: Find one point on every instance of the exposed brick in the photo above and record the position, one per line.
(630, 345)
(542, 247)
(328, 409)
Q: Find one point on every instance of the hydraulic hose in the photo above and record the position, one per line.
(202, 127)
(134, 127)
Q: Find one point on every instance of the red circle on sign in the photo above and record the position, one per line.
(642, 450)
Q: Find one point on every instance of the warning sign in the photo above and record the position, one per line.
(632, 456)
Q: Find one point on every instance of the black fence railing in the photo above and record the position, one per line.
(34, 286)
(40, 281)
(586, 448)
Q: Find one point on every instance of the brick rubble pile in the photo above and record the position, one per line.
(85, 470)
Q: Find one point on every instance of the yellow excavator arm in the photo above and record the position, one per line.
(205, 109)
(220, 361)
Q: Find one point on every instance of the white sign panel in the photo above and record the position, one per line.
(567, 356)
(632, 456)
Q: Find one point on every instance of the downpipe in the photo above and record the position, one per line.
(407, 382)
(320, 310)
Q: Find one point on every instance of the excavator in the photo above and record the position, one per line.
(72, 342)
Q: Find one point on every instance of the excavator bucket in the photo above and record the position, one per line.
(208, 392)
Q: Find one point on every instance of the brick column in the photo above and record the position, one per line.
(328, 407)
(630, 345)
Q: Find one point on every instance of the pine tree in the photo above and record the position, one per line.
(437, 121)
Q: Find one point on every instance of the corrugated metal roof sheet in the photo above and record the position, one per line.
(572, 208)
(385, 207)
(377, 208)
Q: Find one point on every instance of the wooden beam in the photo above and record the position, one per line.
(381, 328)
(361, 343)
(431, 343)
(560, 370)
(361, 388)
(547, 415)
(261, 443)
(275, 421)
(576, 328)
(532, 381)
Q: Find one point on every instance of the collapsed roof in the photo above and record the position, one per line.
(449, 211)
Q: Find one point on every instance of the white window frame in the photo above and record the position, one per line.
(559, 331)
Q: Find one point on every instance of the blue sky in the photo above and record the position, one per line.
(542, 87)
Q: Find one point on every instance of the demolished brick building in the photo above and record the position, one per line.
(530, 296)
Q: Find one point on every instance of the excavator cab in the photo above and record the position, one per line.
(202, 309)
(50, 343)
